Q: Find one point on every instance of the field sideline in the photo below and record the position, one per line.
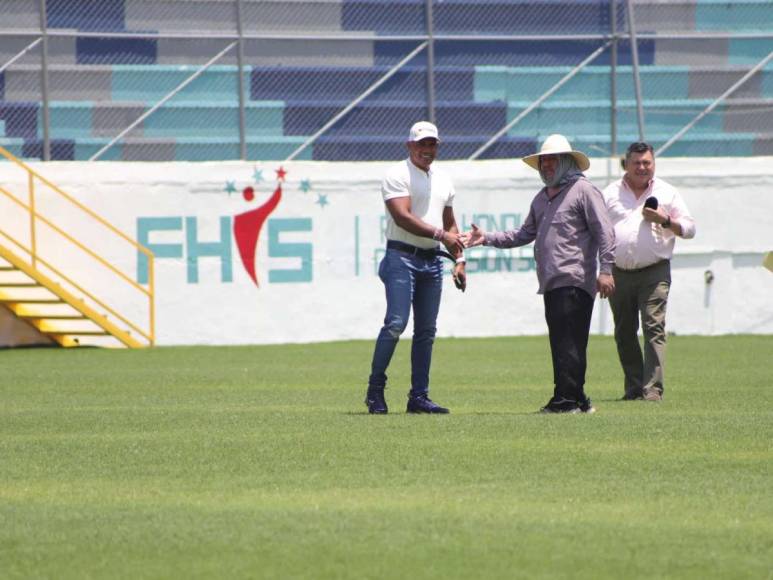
(261, 462)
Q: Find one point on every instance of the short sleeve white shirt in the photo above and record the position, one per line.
(430, 192)
(640, 243)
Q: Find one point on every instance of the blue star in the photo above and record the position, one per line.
(230, 187)
(322, 200)
(305, 185)
(258, 175)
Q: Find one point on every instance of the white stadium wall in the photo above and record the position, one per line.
(317, 251)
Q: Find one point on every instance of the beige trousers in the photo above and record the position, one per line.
(641, 294)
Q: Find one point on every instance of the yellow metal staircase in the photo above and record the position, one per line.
(40, 293)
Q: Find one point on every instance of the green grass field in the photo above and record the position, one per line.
(260, 462)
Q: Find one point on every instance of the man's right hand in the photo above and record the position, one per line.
(453, 242)
(474, 237)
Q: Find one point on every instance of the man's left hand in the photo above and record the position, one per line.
(605, 285)
(657, 216)
(460, 277)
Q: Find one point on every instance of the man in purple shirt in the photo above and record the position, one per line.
(570, 228)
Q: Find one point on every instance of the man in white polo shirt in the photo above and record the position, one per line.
(648, 214)
(419, 216)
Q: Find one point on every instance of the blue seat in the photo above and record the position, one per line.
(748, 51)
(68, 119)
(366, 148)
(13, 144)
(691, 145)
(384, 16)
(711, 145)
(591, 83)
(86, 15)
(593, 117)
(150, 84)
(392, 118)
(61, 149)
(522, 17)
(744, 16)
(21, 119)
(214, 119)
(86, 147)
(347, 83)
(766, 84)
(100, 50)
(566, 52)
(390, 17)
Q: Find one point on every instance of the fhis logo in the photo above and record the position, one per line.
(243, 228)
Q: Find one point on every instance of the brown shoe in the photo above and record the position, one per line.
(653, 395)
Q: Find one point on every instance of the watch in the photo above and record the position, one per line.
(667, 223)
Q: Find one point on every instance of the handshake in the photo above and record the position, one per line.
(458, 242)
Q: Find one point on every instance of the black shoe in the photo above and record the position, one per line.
(422, 404)
(376, 403)
(561, 406)
(632, 397)
(586, 406)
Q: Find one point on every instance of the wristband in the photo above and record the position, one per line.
(438, 235)
(461, 260)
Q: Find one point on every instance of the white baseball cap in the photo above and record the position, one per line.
(423, 130)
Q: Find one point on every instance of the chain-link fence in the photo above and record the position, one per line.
(344, 79)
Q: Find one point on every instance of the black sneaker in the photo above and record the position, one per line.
(376, 403)
(567, 406)
(422, 404)
(586, 406)
(632, 397)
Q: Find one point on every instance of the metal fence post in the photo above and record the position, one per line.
(636, 77)
(430, 61)
(240, 83)
(46, 117)
(613, 80)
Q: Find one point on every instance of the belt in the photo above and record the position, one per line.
(644, 269)
(427, 254)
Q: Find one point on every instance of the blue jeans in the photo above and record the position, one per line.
(409, 280)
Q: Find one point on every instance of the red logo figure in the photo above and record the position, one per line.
(247, 225)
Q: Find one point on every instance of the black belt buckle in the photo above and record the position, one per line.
(427, 254)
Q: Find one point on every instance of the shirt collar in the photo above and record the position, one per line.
(413, 167)
(629, 188)
(562, 191)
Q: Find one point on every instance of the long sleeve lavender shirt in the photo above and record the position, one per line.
(569, 232)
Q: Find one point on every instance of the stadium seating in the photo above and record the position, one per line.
(98, 86)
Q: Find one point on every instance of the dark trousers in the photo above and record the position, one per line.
(568, 312)
(641, 293)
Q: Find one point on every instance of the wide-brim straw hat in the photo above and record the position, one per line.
(554, 145)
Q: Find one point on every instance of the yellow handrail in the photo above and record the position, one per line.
(82, 290)
(34, 256)
(69, 238)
